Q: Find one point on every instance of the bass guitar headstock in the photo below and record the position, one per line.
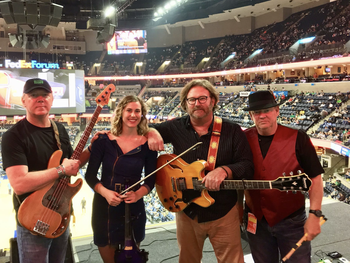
(103, 98)
(300, 182)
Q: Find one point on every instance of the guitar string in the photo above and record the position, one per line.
(47, 215)
(53, 204)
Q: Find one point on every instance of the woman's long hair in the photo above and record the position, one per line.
(117, 123)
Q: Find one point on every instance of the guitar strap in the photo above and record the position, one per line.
(57, 135)
(214, 143)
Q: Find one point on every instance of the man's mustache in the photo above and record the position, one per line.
(197, 108)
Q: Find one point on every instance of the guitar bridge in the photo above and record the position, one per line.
(41, 227)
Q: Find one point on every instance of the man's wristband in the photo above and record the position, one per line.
(225, 171)
(61, 171)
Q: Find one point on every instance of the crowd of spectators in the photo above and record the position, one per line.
(336, 127)
(335, 188)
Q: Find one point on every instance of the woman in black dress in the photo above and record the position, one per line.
(123, 153)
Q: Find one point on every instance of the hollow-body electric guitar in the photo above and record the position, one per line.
(179, 176)
(47, 211)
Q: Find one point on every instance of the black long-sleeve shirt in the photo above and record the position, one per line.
(234, 152)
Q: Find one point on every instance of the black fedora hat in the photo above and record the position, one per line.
(259, 100)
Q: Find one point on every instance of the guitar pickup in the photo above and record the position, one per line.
(53, 203)
(41, 227)
(181, 183)
(173, 184)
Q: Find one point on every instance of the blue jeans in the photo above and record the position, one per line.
(38, 249)
(271, 244)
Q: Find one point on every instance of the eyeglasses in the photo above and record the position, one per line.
(201, 100)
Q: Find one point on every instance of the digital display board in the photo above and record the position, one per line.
(340, 149)
(128, 42)
(68, 89)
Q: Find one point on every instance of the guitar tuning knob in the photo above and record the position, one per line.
(291, 173)
(299, 172)
(284, 174)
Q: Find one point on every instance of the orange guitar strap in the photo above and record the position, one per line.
(214, 143)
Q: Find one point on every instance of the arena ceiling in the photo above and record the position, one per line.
(135, 14)
(140, 13)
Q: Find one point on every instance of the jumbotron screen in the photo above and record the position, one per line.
(67, 87)
(128, 42)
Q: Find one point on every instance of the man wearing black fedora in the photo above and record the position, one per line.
(281, 217)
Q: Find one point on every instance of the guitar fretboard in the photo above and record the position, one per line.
(249, 184)
(81, 144)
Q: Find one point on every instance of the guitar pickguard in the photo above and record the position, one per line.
(59, 202)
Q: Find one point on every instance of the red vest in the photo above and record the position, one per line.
(281, 158)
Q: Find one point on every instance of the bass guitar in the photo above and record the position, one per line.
(179, 176)
(46, 212)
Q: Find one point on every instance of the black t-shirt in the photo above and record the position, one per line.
(305, 153)
(26, 144)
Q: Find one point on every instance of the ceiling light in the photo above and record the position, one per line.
(109, 11)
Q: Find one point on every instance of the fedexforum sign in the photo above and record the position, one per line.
(33, 64)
